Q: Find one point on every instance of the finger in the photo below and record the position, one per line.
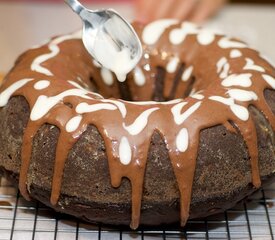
(163, 9)
(183, 8)
(205, 9)
(143, 9)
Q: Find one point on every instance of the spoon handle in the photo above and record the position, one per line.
(75, 5)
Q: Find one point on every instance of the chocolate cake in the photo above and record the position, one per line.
(190, 133)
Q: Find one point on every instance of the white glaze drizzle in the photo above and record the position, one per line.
(187, 73)
(193, 91)
(125, 152)
(79, 79)
(220, 64)
(146, 56)
(107, 76)
(179, 117)
(197, 96)
(8, 92)
(87, 108)
(147, 67)
(239, 111)
(139, 77)
(36, 64)
(243, 80)
(140, 122)
(204, 37)
(225, 71)
(178, 35)
(75, 84)
(144, 103)
(223, 67)
(242, 95)
(85, 85)
(172, 65)
(226, 42)
(250, 65)
(120, 105)
(270, 80)
(235, 53)
(94, 94)
(226, 101)
(42, 84)
(170, 102)
(182, 140)
(73, 123)
(44, 103)
(176, 110)
(153, 31)
(54, 50)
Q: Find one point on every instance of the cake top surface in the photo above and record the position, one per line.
(210, 79)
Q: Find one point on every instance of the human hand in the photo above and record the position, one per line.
(191, 10)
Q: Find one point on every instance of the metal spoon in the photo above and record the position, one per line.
(109, 38)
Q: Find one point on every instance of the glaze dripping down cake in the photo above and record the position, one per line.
(188, 134)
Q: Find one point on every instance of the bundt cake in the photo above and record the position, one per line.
(188, 134)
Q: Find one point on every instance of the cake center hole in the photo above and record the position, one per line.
(165, 86)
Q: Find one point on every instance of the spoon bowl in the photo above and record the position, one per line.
(109, 39)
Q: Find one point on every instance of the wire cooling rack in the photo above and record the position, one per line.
(22, 220)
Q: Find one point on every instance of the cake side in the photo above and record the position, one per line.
(219, 126)
(222, 175)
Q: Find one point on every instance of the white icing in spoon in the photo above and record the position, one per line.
(109, 39)
(111, 57)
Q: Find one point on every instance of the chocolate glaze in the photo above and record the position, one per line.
(73, 63)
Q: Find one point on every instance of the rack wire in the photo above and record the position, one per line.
(22, 220)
